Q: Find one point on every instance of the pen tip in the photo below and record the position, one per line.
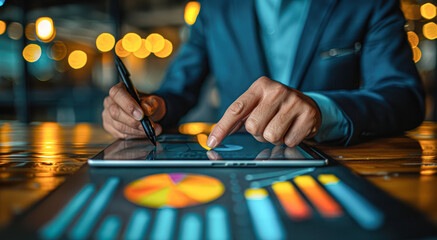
(153, 140)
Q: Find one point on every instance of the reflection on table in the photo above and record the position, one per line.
(36, 158)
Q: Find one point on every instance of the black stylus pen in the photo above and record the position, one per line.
(124, 74)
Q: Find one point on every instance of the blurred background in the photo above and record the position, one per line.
(56, 60)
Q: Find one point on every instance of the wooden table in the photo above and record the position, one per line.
(36, 158)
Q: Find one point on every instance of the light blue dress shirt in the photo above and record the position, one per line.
(281, 25)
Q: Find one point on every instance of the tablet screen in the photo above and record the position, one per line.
(183, 147)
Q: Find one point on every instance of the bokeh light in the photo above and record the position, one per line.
(166, 51)
(155, 42)
(29, 31)
(45, 30)
(120, 51)
(131, 42)
(57, 51)
(417, 54)
(2, 27)
(15, 30)
(105, 42)
(194, 128)
(428, 10)
(82, 134)
(77, 59)
(413, 38)
(192, 9)
(32, 53)
(142, 52)
(430, 30)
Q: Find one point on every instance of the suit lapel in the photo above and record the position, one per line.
(318, 14)
(247, 38)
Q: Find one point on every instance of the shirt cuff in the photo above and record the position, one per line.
(334, 123)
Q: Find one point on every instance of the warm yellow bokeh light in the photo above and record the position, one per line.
(417, 54)
(155, 42)
(428, 10)
(15, 30)
(105, 42)
(142, 52)
(166, 51)
(430, 30)
(131, 42)
(77, 59)
(32, 53)
(29, 31)
(45, 30)
(120, 51)
(47, 141)
(82, 134)
(5, 138)
(192, 9)
(413, 38)
(194, 128)
(58, 51)
(2, 27)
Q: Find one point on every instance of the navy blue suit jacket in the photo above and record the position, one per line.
(354, 52)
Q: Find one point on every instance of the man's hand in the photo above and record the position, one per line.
(271, 112)
(122, 115)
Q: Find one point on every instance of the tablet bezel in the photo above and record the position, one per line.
(98, 161)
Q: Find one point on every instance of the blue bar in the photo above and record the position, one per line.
(366, 215)
(138, 225)
(164, 224)
(217, 223)
(54, 228)
(265, 219)
(191, 227)
(109, 229)
(92, 213)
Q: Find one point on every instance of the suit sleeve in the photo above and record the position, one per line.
(182, 82)
(391, 98)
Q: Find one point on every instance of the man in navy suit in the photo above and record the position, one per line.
(337, 71)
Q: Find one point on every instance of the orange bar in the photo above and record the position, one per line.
(292, 202)
(321, 200)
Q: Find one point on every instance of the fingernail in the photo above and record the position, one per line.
(212, 142)
(314, 130)
(138, 115)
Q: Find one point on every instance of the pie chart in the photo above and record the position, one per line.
(175, 190)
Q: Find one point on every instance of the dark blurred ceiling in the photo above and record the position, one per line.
(98, 4)
(91, 14)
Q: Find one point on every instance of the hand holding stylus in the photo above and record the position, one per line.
(122, 115)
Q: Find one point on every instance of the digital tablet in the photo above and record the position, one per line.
(173, 150)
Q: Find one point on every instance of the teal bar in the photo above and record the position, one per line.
(366, 215)
(92, 213)
(217, 223)
(138, 225)
(164, 224)
(109, 229)
(55, 228)
(191, 227)
(265, 219)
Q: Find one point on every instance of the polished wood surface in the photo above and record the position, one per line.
(36, 158)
